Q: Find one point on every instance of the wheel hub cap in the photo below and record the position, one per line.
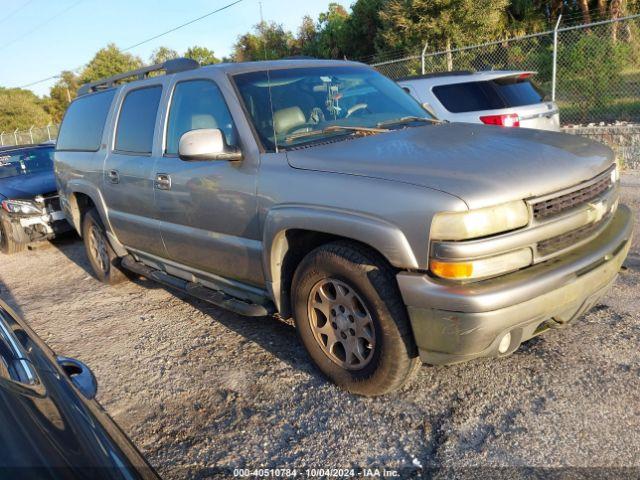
(341, 324)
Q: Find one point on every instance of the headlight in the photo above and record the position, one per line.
(480, 222)
(23, 207)
(484, 267)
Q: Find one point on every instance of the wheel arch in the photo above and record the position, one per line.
(80, 198)
(292, 232)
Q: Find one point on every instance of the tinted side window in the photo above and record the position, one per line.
(195, 105)
(137, 120)
(84, 122)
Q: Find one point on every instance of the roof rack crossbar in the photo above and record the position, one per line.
(170, 66)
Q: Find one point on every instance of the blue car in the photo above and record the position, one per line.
(28, 196)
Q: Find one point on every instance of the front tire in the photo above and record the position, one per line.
(351, 319)
(104, 261)
(8, 245)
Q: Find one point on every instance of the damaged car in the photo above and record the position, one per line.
(30, 205)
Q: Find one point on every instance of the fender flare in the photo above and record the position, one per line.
(384, 237)
(91, 191)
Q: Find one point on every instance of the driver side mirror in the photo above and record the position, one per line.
(206, 144)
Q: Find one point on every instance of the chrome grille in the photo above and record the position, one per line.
(562, 203)
(566, 240)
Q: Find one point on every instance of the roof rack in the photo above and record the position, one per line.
(170, 66)
(299, 57)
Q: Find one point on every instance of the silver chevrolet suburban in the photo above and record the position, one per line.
(321, 190)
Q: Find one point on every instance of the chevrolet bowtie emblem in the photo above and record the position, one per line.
(598, 210)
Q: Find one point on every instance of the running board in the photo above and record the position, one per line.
(216, 297)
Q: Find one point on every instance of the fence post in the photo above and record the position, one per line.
(2, 139)
(48, 131)
(554, 71)
(31, 133)
(424, 52)
(15, 135)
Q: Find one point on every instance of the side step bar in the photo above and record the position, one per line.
(216, 297)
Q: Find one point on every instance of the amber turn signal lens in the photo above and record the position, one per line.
(451, 270)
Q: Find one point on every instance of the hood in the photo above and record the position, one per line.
(482, 165)
(27, 186)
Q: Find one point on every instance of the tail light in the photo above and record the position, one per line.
(506, 120)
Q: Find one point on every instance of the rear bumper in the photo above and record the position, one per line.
(454, 323)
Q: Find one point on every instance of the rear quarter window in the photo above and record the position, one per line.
(488, 95)
(84, 121)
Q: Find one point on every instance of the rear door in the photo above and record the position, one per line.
(128, 170)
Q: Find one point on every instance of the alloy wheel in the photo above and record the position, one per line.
(98, 248)
(341, 324)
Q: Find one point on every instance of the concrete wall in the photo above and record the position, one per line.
(623, 138)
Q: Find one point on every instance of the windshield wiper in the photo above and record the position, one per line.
(409, 119)
(336, 128)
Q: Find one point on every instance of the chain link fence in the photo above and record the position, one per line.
(597, 71)
(32, 136)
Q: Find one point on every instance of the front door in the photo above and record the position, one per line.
(128, 172)
(206, 210)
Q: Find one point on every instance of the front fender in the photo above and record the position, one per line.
(382, 236)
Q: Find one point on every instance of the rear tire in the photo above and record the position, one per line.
(7, 245)
(350, 317)
(104, 261)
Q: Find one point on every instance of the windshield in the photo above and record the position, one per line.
(309, 104)
(26, 161)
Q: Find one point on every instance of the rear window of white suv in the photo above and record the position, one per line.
(84, 121)
(487, 95)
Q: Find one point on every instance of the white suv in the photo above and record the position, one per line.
(505, 98)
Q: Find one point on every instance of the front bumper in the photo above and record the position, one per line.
(457, 322)
(34, 228)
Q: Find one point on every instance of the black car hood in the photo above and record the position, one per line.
(27, 186)
(482, 165)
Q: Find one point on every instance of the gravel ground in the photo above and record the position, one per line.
(198, 388)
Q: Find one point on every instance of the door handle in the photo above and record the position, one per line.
(113, 176)
(163, 181)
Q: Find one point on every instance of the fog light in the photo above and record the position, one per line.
(505, 342)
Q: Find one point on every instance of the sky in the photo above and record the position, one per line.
(40, 38)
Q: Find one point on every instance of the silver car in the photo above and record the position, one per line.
(504, 98)
(321, 190)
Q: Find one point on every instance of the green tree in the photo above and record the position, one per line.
(332, 32)
(307, 39)
(61, 94)
(268, 41)
(408, 24)
(21, 109)
(107, 62)
(162, 54)
(362, 28)
(202, 55)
